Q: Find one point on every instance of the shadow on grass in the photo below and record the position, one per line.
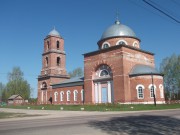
(139, 125)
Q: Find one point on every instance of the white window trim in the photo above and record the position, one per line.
(68, 94)
(135, 42)
(75, 96)
(161, 88)
(101, 71)
(117, 43)
(104, 44)
(55, 96)
(140, 85)
(82, 95)
(61, 95)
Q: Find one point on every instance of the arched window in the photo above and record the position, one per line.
(57, 44)
(46, 61)
(140, 91)
(68, 95)
(103, 73)
(61, 95)
(75, 95)
(58, 61)
(152, 89)
(47, 45)
(105, 46)
(121, 42)
(82, 95)
(55, 96)
(44, 85)
(135, 44)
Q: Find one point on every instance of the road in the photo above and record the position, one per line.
(166, 122)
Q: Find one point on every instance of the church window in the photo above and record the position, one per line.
(55, 96)
(58, 61)
(105, 45)
(121, 42)
(152, 90)
(47, 45)
(104, 72)
(75, 95)
(68, 95)
(140, 91)
(44, 85)
(46, 61)
(57, 44)
(61, 95)
(135, 44)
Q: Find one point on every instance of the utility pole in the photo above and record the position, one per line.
(153, 89)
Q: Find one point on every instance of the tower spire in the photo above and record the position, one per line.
(117, 18)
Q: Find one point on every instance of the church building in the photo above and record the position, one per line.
(118, 72)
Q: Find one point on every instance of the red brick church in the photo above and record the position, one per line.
(118, 72)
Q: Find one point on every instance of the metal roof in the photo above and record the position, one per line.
(76, 81)
(143, 70)
(118, 29)
(13, 97)
(54, 32)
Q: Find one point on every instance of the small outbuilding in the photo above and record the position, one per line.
(15, 100)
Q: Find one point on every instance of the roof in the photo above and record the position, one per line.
(54, 32)
(116, 47)
(76, 81)
(13, 97)
(143, 70)
(118, 29)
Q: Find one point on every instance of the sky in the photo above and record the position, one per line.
(25, 23)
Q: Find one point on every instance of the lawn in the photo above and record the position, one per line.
(101, 107)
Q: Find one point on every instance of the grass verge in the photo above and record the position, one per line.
(99, 107)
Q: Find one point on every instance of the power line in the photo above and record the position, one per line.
(162, 11)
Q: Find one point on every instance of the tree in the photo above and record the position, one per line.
(1, 89)
(78, 72)
(16, 74)
(16, 85)
(170, 67)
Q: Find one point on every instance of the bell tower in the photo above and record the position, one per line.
(53, 66)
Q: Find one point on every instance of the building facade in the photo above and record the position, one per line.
(118, 72)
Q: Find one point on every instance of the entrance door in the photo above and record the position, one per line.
(104, 95)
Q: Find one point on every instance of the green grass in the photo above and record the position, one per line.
(101, 107)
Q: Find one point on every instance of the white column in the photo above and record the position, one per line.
(42, 96)
(46, 96)
(109, 92)
(99, 90)
(96, 92)
(162, 93)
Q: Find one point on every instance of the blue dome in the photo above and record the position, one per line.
(143, 70)
(54, 32)
(118, 29)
